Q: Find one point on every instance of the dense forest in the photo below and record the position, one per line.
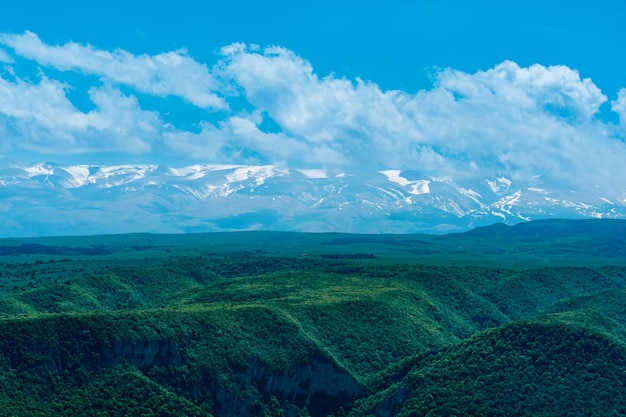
(527, 320)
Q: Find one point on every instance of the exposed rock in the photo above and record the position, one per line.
(390, 405)
(318, 385)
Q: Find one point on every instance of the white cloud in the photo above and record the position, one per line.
(521, 122)
(239, 139)
(555, 88)
(39, 117)
(619, 105)
(205, 144)
(356, 119)
(170, 73)
(5, 57)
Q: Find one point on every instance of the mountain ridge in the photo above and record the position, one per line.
(98, 199)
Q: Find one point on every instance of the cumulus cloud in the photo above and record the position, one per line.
(527, 122)
(171, 73)
(355, 118)
(522, 122)
(619, 105)
(239, 139)
(40, 117)
(555, 89)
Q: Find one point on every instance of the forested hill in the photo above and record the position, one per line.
(521, 320)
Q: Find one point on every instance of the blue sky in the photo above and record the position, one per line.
(391, 45)
(477, 89)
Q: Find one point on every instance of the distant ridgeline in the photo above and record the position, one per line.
(528, 320)
(37, 249)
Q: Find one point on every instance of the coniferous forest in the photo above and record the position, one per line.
(526, 320)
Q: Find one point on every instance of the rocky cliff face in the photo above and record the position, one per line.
(318, 385)
(390, 405)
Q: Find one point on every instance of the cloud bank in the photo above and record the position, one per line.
(270, 106)
(170, 73)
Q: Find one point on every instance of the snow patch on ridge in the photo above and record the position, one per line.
(499, 185)
(79, 176)
(417, 187)
(473, 195)
(606, 200)
(258, 173)
(313, 173)
(198, 171)
(38, 169)
(117, 175)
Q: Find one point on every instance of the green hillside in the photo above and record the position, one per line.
(497, 321)
(568, 364)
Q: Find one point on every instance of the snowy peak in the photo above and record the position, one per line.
(208, 197)
(417, 187)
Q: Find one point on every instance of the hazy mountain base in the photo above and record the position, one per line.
(305, 326)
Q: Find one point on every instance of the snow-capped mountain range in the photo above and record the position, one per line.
(49, 199)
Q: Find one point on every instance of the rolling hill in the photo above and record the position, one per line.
(501, 320)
